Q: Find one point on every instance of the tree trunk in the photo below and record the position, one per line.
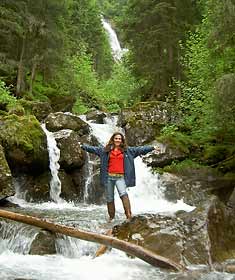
(20, 74)
(131, 249)
(33, 74)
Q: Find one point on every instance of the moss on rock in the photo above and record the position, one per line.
(21, 131)
(24, 142)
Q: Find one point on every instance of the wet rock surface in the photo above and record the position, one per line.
(195, 188)
(203, 236)
(43, 244)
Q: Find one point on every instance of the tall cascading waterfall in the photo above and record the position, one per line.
(117, 51)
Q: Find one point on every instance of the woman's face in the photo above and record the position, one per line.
(117, 140)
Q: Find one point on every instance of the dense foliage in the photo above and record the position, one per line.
(181, 51)
(54, 48)
(206, 105)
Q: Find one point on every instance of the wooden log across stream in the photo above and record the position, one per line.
(129, 248)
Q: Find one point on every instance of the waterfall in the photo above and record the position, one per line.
(54, 156)
(74, 258)
(88, 177)
(114, 43)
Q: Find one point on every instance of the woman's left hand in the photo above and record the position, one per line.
(157, 149)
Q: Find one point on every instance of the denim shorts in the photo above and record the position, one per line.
(113, 181)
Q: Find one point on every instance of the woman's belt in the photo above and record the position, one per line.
(116, 174)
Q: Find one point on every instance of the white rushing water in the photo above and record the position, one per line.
(117, 51)
(147, 196)
(54, 156)
(75, 258)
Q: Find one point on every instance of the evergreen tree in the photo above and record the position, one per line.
(153, 30)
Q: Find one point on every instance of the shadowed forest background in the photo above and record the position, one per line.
(180, 51)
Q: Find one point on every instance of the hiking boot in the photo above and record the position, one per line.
(111, 210)
(126, 206)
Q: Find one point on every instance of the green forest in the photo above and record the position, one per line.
(179, 51)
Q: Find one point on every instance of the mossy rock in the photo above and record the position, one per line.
(144, 121)
(6, 183)
(62, 103)
(24, 142)
(37, 108)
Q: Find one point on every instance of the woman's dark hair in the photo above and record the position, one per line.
(110, 144)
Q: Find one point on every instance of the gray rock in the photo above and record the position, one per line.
(71, 154)
(96, 116)
(69, 190)
(34, 188)
(196, 187)
(43, 244)
(164, 158)
(59, 120)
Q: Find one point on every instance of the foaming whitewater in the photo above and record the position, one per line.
(74, 259)
(54, 156)
(16, 237)
(148, 195)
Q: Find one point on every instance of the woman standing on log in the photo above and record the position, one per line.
(117, 169)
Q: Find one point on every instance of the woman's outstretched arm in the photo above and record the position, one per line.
(143, 150)
(97, 150)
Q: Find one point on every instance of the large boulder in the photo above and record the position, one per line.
(87, 182)
(205, 235)
(193, 190)
(24, 143)
(70, 191)
(59, 120)
(166, 156)
(6, 183)
(144, 121)
(71, 154)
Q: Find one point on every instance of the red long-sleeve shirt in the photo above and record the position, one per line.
(116, 162)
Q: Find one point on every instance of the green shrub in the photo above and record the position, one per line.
(6, 99)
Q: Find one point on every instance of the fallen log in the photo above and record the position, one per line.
(129, 248)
